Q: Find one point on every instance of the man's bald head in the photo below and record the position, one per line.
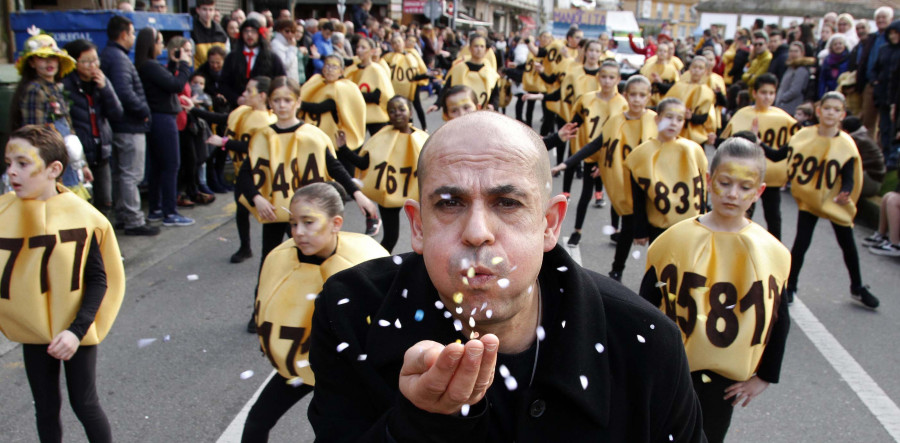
(489, 131)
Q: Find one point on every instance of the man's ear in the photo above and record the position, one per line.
(413, 211)
(553, 218)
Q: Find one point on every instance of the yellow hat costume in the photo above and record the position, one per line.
(43, 46)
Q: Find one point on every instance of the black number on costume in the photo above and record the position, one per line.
(685, 194)
(661, 200)
(795, 162)
(720, 309)
(774, 293)
(310, 172)
(483, 97)
(669, 276)
(79, 237)
(316, 118)
(685, 300)
(644, 183)
(753, 298)
(265, 333)
(594, 123)
(529, 65)
(380, 168)
(768, 137)
(570, 94)
(610, 147)
(259, 171)
(407, 172)
(626, 150)
(699, 193)
(832, 171)
(782, 138)
(295, 174)
(295, 335)
(279, 182)
(553, 56)
(410, 73)
(14, 246)
(48, 242)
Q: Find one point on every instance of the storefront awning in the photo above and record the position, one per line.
(528, 21)
(465, 19)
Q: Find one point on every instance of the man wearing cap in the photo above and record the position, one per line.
(251, 57)
(409, 348)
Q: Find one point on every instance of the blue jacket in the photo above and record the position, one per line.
(325, 48)
(125, 80)
(106, 106)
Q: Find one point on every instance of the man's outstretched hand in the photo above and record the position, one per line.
(441, 379)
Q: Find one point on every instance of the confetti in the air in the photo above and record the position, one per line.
(458, 297)
(540, 333)
(193, 277)
(223, 239)
(483, 305)
(641, 338)
(464, 263)
(504, 371)
(471, 322)
(295, 382)
(474, 310)
(342, 346)
(465, 280)
(660, 284)
(246, 374)
(729, 307)
(420, 314)
(398, 260)
(652, 326)
(144, 342)
(302, 363)
(445, 196)
(404, 293)
(384, 323)
(705, 378)
(562, 268)
(439, 304)
(584, 381)
(343, 301)
(503, 283)
(489, 313)
(464, 411)
(457, 325)
(473, 335)
(636, 255)
(511, 383)
(563, 324)
(312, 296)
(470, 273)
(496, 260)
(530, 288)
(609, 230)
(397, 324)
(459, 309)
(362, 357)
(599, 347)
(447, 314)
(671, 438)
(368, 319)
(167, 338)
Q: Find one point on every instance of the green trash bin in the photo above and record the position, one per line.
(9, 78)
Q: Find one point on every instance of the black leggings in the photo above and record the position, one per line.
(548, 123)
(623, 245)
(529, 113)
(242, 220)
(43, 377)
(417, 104)
(806, 224)
(613, 217)
(568, 175)
(771, 203)
(272, 236)
(588, 184)
(274, 400)
(716, 411)
(390, 222)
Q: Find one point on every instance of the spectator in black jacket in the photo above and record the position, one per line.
(207, 33)
(361, 14)
(867, 57)
(129, 132)
(212, 73)
(251, 57)
(93, 101)
(163, 155)
(779, 50)
(887, 87)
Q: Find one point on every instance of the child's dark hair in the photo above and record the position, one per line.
(263, 83)
(739, 148)
(399, 97)
(457, 90)
(76, 47)
(667, 103)
(197, 74)
(807, 109)
(216, 50)
(743, 99)
(747, 135)
(766, 79)
(49, 143)
(834, 95)
(285, 82)
(328, 196)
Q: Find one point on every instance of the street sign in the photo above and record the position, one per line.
(433, 9)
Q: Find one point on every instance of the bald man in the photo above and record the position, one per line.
(489, 331)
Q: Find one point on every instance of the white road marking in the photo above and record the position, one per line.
(234, 430)
(575, 251)
(881, 406)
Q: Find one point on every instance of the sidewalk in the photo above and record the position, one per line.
(140, 253)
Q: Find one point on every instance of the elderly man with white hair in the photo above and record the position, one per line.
(867, 57)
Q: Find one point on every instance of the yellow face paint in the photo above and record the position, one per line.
(459, 105)
(17, 150)
(736, 173)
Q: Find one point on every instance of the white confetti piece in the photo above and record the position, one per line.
(439, 304)
(144, 342)
(343, 301)
(563, 324)
(397, 324)
(671, 438)
(641, 338)
(167, 338)
(223, 239)
(652, 326)
(701, 317)
(302, 363)
(584, 381)
(398, 260)
(599, 347)
(471, 322)
(489, 313)
(445, 196)
(471, 272)
(660, 284)
(312, 296)
(404, 293)
(609, 230)
(464, 411)
(464, 263)
(447, 314)
(483, 305)
(246, 374)
(384, 323)
(295, 382)
(474, 310)
(562, 268)
(511, 383)
(457, 325)
(496, 260)
(540, 333)
(705, 378)
(458, 297)
(513, 268)
(342, 346)
(204, 351)
(636, 255)
(530, 288)
(729, 307)
(362, 357)
(193, 277)
(503, 283)
(504, 371)
(465, 280)
(459, 309)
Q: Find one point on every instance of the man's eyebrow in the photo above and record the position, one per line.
(507, 190)
(449, 190)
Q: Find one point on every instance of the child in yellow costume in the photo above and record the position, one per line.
(284, 157)
(388, 166)
(825, 173)
(721, 278)
(700, 101)
(62, 282)
(374, 81)
(667, 172)
(291, 276)
(476, 74)
(662, 72)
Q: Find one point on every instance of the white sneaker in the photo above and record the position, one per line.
(887, 249)
(876, 239)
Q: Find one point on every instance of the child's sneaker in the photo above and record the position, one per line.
(874, 239)
(865, 297)
(177, 220)
(886, 248)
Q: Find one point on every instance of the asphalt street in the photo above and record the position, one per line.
(838, 381)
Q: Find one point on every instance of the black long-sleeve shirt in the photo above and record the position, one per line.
(94, 282)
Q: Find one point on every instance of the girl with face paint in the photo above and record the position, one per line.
(299, 266)
(374, 81)
(734, 352)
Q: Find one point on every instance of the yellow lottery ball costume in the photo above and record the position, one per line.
(282, 163)
(242, 123)
(620, 136)
(555, 64)
(36, 237)
(393, 158)
(668, 72)
(482, 81)
(531, 79)
(283, 310)
(814, 171)
(404, 68)
(490, 58)
(369, 79)
(576, 83)
(775, 129)
(700, 100)
(594, 112)
(671, 175)
(723, 289)
(350, 115)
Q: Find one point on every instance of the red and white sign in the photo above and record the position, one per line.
(414, 6)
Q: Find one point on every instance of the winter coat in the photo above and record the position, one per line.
(234, 71)
(885, 72)
(85, 97)
(779, 61)
(129, 89)
(833, 65)
(793, 84)
(162, 87)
